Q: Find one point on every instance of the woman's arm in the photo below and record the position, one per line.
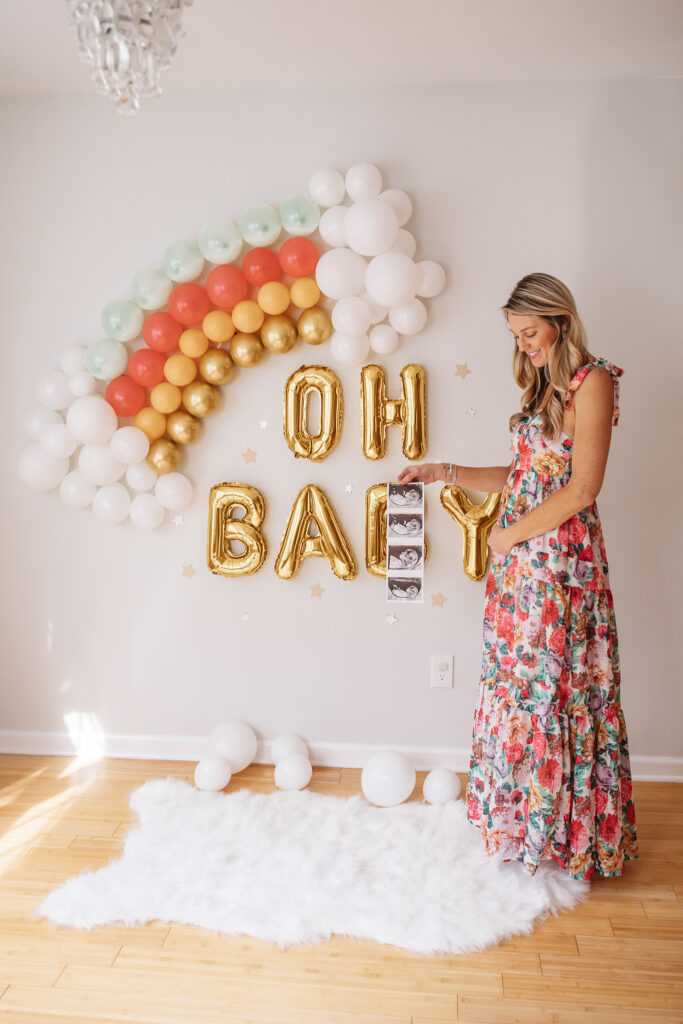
(593, 402)
(472, 478)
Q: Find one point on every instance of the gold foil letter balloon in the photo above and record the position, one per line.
(224, 530)
(378, 412)
(297, 392)
(376, 531)
(476, 522)
(312, 508)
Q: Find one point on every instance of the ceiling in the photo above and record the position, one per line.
(317, 43)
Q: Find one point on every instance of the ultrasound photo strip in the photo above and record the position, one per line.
(405, 543)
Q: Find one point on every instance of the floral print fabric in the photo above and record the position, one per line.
(549, 773)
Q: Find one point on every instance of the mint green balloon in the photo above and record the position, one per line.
(122, 320)
(151, 288)
(220, 242)
(106, 359)
(260, 225)
(299, 215)
(183, 261)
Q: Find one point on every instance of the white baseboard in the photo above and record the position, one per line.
(93, 746)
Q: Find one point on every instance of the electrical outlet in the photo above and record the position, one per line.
(441, 670)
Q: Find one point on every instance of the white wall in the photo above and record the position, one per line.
(577, 180)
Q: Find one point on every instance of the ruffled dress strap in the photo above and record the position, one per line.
(583, 372)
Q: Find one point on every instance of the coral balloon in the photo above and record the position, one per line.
(151, 422)
(260, 266)
(146, 367)
(298, 257)
(188, 303)
(162, 332)
(125, 396)
(163, 455)
(180, 370)
(226, 286)
(273, 297)
(304, 293)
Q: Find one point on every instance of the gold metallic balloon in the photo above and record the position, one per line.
(183, 428)
(200, 399)
(297, 392)
(476, 522)
(224, 530)
(163, 455)
(246, 349)
(378, 412)
(278, 333)
(314, 326)
(376, 531)
(312, 508)
(216, 367)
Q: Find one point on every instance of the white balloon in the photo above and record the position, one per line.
(391, 279)
(408, 319)
(400, 204)
(294, 771)
(52, 390)
(327, 187)
(146, 512)
(377, 312)
(112, 503)
(58, 440)
(371, 227)
(441, 786)
(351, 315)
(174, 491)
(432, 278)
(235, 742)
(363, 181)
(129, 445)
(383, 339)
(75, 491)
(349, 349)
(98, 465)
(141, 477)
(72, 359)
(387, 779)
(287, 744)
(81, 383)
(212, 774)
(91, 420)
(405, 243)
(340, 272)
(39, 419)
(332, 226)
(40, 470)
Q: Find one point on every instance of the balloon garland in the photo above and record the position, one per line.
(169, 349)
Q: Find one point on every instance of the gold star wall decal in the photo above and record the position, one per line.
(317, 590)
(249, 456)
(439, 599)
(461, 370)
(188, 571)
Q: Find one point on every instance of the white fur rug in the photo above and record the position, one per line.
(294, 867)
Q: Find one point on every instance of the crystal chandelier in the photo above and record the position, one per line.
(127, 43)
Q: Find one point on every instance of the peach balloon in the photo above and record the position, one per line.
(151, 422)
(218, 327)
(304, 293)
(165, 398)
(193, 342)
(180, 370)
(273, 297)
(247, 316)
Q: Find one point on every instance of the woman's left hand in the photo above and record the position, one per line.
(500, 540)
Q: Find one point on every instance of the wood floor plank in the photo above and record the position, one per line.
(593, 986)
(479, 1010)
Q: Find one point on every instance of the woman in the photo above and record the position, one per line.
(549, 773)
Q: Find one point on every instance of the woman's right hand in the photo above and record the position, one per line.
(427, 473)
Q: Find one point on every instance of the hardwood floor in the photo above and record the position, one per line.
(617, 958)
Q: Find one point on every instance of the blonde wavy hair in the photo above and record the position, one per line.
(543, 295)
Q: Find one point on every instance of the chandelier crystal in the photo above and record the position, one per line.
(127, 43)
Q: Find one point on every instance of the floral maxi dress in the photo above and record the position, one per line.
(549, 773)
